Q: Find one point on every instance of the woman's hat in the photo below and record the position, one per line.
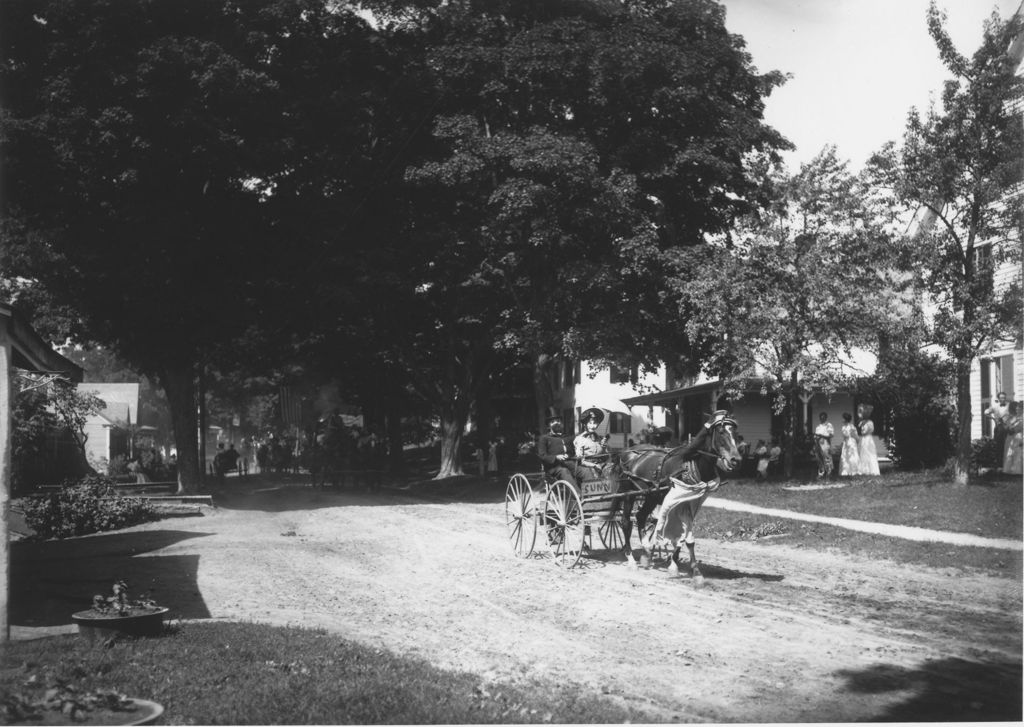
(553, 418)
(866, 409)
(592, 413)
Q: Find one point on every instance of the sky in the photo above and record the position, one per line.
(858, 66)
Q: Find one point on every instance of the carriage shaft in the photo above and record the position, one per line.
(608, 497)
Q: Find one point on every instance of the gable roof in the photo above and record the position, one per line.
(121, 400)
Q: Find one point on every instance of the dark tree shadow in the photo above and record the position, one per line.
(947, 690)
(720, 573)
(52, 579)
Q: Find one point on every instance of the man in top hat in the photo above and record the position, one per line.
(552, 452)
(588, 445)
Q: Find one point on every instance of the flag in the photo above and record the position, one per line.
(291, 407)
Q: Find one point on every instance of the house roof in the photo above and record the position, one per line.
(672, 396)
(30, 351)
(115, 414)
(121, 400)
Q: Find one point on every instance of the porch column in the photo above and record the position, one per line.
(805, 397)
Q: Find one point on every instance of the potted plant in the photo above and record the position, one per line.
(118, 615)
(61, 703)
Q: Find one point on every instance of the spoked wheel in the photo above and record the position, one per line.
(563, 523)
(520, 517)
(611, 535)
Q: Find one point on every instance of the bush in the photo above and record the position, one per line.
(985, 454)
(84, 507)
(118, 465)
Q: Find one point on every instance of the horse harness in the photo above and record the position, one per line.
(689, 476)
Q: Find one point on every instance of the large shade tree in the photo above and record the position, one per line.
(573, 144)
(960, 164)
(166, 166)
(789, 294)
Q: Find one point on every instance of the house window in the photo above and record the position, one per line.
(568, 373)
(619, 423)
(623, 375)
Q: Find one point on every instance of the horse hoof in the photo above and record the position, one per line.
(698, 581)
(645, 562)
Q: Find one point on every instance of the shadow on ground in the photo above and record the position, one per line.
(52, 579)
(946, 690)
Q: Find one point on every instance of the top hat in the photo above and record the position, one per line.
(592, 413)
(552, 418)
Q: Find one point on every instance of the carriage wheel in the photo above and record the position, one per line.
(520, 517)
(611, 535)
(563, 523)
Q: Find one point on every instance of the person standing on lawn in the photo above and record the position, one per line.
(762, 455)
(774, 456)
(999, 411)
(823, 434)
(868, 452)
(849, 458)
(1012, 455)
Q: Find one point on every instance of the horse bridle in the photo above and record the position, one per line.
(721, 422)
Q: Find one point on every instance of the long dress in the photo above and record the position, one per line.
(868, 453)
(1013, 464)
(849, 459)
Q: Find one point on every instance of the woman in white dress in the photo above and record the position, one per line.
(1013, 462)
(849, 459)
(868, 453)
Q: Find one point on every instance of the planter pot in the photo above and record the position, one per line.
(103, 628)
(145, 712)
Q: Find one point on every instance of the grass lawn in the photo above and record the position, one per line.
(239, 673)
(988, 507)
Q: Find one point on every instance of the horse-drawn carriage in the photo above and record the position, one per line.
(620, 495)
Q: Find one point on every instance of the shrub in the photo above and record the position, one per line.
(985, 454)
(88, 506)
(118, 465)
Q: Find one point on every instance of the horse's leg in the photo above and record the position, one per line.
(643, 512)
(673, 561)
(698, 577)
(626, 521)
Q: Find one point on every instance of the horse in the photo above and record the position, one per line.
(692, 471)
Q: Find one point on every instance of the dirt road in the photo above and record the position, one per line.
(776, 634)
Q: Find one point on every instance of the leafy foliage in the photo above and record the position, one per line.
(960, 164)
(84, 507)
(786, 298)
(120, 604)
(43, 414)
(915, 388)
(985, 453)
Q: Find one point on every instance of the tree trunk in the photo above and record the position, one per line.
(393, 422)
(541, 389)
(180, 386)
(453, 423)
(790, 452)
(200, 430)
(962, 462)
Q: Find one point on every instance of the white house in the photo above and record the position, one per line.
(108, 432)
(634, 402)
